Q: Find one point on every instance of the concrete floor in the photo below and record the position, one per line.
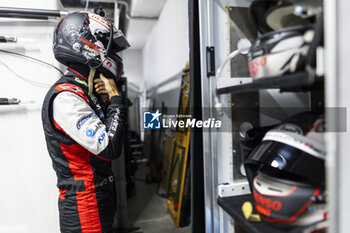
(148, 210)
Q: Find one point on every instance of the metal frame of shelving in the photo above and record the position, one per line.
(206, 40)
(330, 21)
(217, 146)
(300, 81)
(337, 34)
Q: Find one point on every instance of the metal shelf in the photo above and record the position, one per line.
(301, 81)
(233, 205)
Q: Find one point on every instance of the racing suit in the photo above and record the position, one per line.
(82, 139)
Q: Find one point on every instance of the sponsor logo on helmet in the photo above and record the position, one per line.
(268, 203)
(91, 50)
(109, 64)
(99, 19)
(262, 210)
(255, 65)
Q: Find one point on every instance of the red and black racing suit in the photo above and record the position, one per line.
(82, 140)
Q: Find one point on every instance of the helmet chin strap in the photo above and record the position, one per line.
(91, 80)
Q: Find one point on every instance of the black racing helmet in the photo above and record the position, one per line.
(286, 172)
(89, 39)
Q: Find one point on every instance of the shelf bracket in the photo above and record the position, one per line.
(226, 83)
(233, 189)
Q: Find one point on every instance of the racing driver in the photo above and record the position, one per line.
(83, 131)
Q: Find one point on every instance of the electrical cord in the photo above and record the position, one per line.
(31, 58)
(34, 83)
(218, 104)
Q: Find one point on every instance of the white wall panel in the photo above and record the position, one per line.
(150, 8)
(342, 82)
(138, 31)
(132, 59)
(167, 48)
(28, 197)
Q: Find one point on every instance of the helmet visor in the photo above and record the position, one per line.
(290, 162)
(119, 43)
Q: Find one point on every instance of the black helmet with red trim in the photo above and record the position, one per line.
(286, 172)
(89, 39)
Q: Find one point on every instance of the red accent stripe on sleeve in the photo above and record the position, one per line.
(59, 127)
(102, 158)
(72, 88)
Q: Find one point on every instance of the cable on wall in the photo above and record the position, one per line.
(31, 58)
(34, 83)
(243, 48)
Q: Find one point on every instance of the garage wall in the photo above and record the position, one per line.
(167, 48)
(28, 197)
(132, 59)
(161, 60)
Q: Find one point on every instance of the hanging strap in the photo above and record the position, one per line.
(91, 80)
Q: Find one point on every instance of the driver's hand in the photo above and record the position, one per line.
(100, 86)
(105, 85)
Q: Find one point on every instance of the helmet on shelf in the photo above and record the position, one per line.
(280, 52)
(89, 39)
(286, 172)
(269, 15)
